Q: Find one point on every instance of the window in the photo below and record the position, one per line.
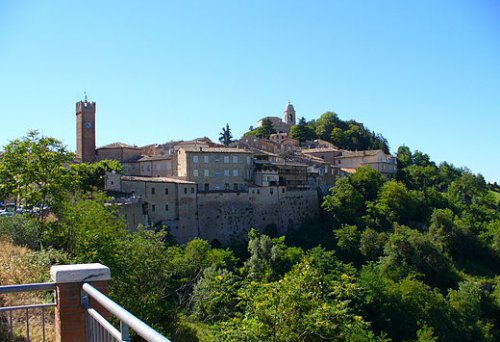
(205, 159)
(152, 191)
(226, 159)
(192, 190)
(153, 207)
(235, 173)
(235, 186)
(226, 186)
(185, 190)
(226, 172)
(207, 187)
(235, 159)
(166, 191)
(195, 159)
(271, 191)
(339, 161)
(206, 173)
(195, 172)
(166, 207)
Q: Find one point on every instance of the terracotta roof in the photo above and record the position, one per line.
(283, 163)
(214, 149)
(346, 170)
(359, 153)
(320, 149)
(159, 157)
(118, 145)
(157, 179)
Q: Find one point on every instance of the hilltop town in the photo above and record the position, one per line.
(199, 188)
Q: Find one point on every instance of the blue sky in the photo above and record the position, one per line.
(422, 73)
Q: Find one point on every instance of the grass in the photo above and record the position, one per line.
(496, 195)
(15, 269)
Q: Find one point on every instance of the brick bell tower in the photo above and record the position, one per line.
(85, 131)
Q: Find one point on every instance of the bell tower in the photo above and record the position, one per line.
(85, 131)
(289, 114)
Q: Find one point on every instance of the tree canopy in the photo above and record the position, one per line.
(226, 137)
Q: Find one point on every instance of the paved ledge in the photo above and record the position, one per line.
(79, 273)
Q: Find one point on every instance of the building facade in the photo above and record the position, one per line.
(215, 168)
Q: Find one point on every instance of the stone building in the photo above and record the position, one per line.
(384, 163)
(149, 166)
(156, 201)
(214, 168)
(282, 125)
(327, 154)
(219, 217)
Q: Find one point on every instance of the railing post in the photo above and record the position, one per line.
(69, 313)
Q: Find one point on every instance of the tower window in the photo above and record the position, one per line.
(166, 207)
(166, 191)
(152, 191)
(153, 208)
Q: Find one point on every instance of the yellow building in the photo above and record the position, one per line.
(215, 168)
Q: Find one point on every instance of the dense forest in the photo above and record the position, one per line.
(415, 258)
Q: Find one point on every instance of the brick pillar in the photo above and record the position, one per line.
(69, 313)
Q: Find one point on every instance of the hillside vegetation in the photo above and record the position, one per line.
(348, 135)
(416, 258)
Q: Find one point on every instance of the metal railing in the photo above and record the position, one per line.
(10, 323)
(99, 329)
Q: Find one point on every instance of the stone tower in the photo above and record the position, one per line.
(289, 114)
(85, 131)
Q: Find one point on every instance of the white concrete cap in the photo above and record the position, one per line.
(79, 273)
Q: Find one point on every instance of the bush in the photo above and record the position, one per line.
(22, 230)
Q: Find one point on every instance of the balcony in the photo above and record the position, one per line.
(79, 312)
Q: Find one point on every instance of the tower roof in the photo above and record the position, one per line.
(289, 107)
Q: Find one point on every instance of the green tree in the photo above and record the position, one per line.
(303, 306)
(34, 170)
(396, 202)
(266, 129)
(338, 138)
(301, 131)
(226, 137)
(91, 176)
(371, 243)
(344, 203)
(269, 258)
(325, 124)
(215, 295)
